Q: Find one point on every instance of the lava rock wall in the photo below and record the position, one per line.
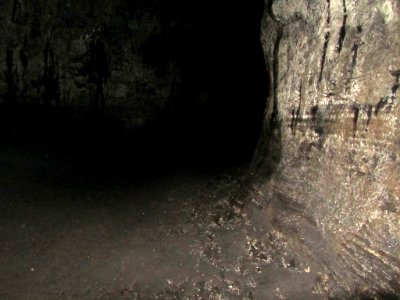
(331, 142)
(83, 56)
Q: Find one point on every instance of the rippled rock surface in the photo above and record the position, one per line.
(333, 141)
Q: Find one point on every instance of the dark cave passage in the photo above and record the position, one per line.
(214, 109)
(219, 93)
(91, 205)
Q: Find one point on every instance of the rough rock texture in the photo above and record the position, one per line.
(331, 141)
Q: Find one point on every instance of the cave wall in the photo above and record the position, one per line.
(80, 57)
(330, 146)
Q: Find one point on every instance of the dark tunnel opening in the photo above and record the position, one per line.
(218, 101)
(214, 109)
(218, 91)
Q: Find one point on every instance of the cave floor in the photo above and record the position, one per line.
(64, 236)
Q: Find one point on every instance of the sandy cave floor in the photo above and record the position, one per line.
(65, 235)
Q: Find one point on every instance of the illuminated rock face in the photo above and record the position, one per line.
(332, 124)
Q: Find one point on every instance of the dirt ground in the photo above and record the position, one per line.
(67, 234)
